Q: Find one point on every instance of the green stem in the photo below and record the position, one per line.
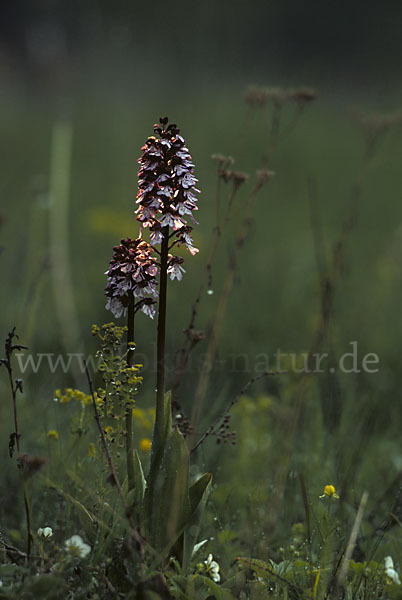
(160, 351)
(129, 408)
(327, 519)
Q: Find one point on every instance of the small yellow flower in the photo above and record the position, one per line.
(329, 491)
(145, 444)
(52, 434)
(138, 413)
(92, 450)
(87, 399)
(110, 433)
(143, 418)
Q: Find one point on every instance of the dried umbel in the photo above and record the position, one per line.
(167, 192)
(376, 123)
(302, 95)
(258, 97)
(132, 273)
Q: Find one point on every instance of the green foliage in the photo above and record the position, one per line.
(120, 380)
(168, 493)
(287, 544)
(198, 496)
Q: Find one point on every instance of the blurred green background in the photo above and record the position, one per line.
(111, 70)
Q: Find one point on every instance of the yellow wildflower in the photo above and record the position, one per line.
(145, 444)
(92, 450)
(329, 491)
(98, 399)
(52, 434)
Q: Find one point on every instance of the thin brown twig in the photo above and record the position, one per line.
(273, 134)
(16, 386)
(102, 437)
(184, 352)
(221, 310)
(219, 418)
(13, 550)
(111, 587)
(292, 123)
(128, 408)
(229, 281)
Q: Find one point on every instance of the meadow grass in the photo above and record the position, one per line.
(294, 433)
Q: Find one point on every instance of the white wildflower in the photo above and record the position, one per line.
(45, 532)
(212, 568)
(77, 547)
(390, 571)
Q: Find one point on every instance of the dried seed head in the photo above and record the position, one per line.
(303, 95)
(256, 97)
(239, 178)
(225, 174)
(376, 123)
(263, 176)
(195, 335)
(277, 95)
(132, 271)
(223, 434)
(183, 424)
(223, 161)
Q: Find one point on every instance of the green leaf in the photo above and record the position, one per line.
(161, 433)
(197, 587)
(136, 496)
(198, 547)
(211, 588)
(139, 479)
(12, 570)
(198, 495)
(166, 500)
(282, 573)
(173, 492)
(44, 586)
